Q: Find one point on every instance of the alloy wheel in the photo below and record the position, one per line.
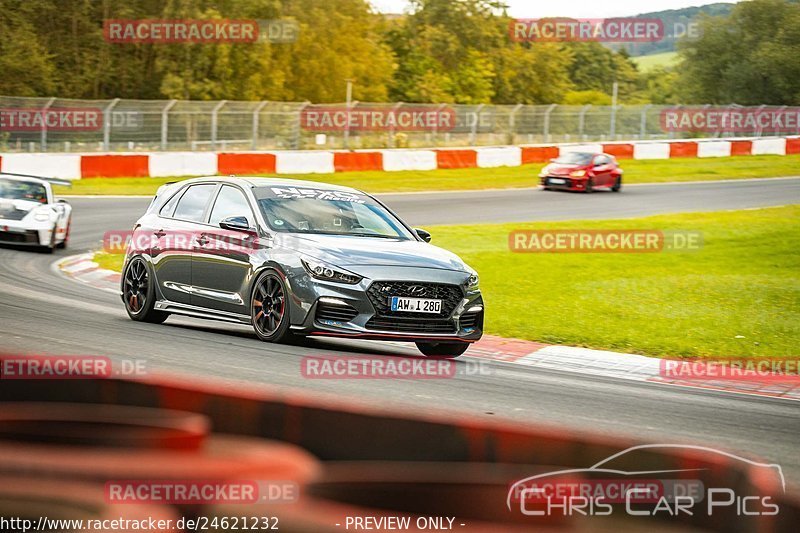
(269, 305)
(136, 286)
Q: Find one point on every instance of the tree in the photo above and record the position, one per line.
(24, 61)
(748, 58)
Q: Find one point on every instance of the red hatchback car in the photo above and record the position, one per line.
(582, 171)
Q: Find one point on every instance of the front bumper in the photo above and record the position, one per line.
(570, 184)
(23, 233)
(362, 310)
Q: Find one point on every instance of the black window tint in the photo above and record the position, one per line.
(230, 202)
(193, 203)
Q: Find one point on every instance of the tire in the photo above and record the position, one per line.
(63, 245)
(269, 312)
(139, 293)
(617, 185)
(589, 186)
(442, 349)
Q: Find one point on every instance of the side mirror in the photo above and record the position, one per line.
(61, 201)
(424, 235)
(236, 224)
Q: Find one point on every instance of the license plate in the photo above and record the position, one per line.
(556, 181)
(415, 305)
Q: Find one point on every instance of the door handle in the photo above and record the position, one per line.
(160, 233)
(202, 240)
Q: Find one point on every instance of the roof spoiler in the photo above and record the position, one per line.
(54, 181)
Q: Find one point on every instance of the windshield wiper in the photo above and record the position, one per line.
(376, 235)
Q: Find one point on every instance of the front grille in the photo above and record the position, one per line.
(406, 325)
(335, 312)
(12, 237)
(381, 291)
(470, 320)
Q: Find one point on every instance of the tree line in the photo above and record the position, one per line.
(442, 51)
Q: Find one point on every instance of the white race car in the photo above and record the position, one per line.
(31, 215)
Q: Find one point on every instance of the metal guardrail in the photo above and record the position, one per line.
(160, 125)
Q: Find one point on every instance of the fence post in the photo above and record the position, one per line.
(256, 114)
(165, 123)
(643, 121)
(298, 130)
(512, 123)
(107, 124)
(474, 130)
(615, 91)
(582, 120)
(546, 132)
(43, 140)
(391, 138)
(214, 113)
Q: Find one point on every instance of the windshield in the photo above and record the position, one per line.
(574, 158)
(327, 212)
(23, 190)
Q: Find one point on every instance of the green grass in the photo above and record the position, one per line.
(664, 59)
(636, 171)
(109, 261)
(738, 296)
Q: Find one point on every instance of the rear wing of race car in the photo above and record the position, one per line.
(52, 181)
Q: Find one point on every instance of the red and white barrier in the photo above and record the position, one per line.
(394, 160)
(503, 156)
(162, 164)
(63, 166)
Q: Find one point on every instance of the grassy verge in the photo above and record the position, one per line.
(738, 296)
(109, 261)
(636, 171)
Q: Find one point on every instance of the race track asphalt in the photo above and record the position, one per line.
(42, 312)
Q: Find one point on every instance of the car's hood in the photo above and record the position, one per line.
(16, 209)
(560, 169)
(351, 252)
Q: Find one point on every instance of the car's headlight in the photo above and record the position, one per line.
(320, 270)
(42, 215)
(473, 281)
(577, 173)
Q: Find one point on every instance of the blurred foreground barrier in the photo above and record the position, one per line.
(378, 462)
(47, 505)
(103, 425)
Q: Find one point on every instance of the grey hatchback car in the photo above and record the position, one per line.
(297, 258)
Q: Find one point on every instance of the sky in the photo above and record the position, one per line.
(572, 8)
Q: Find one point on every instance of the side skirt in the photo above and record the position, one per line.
(200, 312)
